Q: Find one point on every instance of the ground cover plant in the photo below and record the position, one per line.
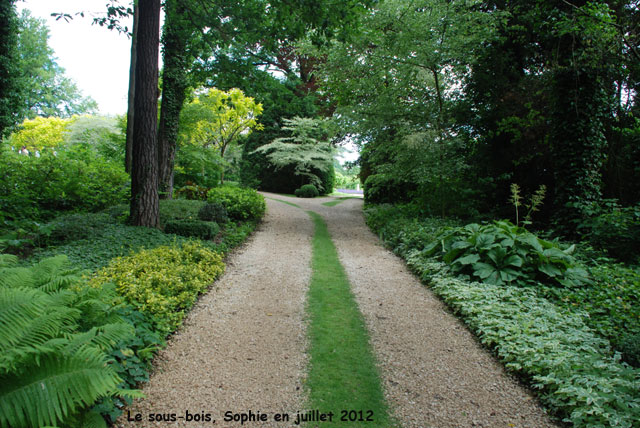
(164, 282)
(554, 335)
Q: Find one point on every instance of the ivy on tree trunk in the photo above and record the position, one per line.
(174, 85)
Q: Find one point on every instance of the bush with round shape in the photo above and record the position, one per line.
(241, 204)
(307, 191)
(213, 211)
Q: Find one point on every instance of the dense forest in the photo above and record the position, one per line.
(500, 138)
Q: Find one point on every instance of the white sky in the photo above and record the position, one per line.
(96, 58)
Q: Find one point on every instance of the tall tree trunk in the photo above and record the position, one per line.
(9, 91)
(174, 85)
(144, 168)
(128, 153)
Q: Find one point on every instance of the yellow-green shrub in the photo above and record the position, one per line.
(163, 282)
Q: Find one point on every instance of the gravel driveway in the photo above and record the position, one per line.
(243, 346)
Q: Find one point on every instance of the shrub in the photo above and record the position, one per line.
(192, 192)
(179, 209)
(56, 336)
(72, 227)
(307, 191)
(383, 188)
(164, 282)
(501, 253)
(73, 180)
(241, 204)
(213, 211)
(195, 228)
(613, 228)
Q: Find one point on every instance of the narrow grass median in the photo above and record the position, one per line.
(343, 377)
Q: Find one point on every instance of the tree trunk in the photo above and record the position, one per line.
(128, 153)
(174, 85)
(144, 168)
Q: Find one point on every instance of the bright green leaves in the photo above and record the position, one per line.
(217, 118)
(501, 253)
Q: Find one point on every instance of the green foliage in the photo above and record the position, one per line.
(382, 188)
(550, 345)
(72, 227)
(307, 151)
(40, 132)
(46, 91)
(55, 340)
(192, 191)
(574, 369)
(195, 228)
(241, 204)
(74, 179)
(110, 241)
(198, 166)
(610, 227)
(164, 282)
(501, 253)
(213, 211)
(612, 302)
(307, 191)
(179, 209)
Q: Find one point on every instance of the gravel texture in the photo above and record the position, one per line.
(434, 371)
(243, 346)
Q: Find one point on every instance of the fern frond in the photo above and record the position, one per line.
(91, 419)
(16, 277)
(57, 388)
(105, 337)
(8, 260)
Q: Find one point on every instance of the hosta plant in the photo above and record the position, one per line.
(502, 253)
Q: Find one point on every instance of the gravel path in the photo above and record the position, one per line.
(243, 346)
(435, 374)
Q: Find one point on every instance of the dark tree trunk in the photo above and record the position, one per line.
(128, 154)
(9, 98)
(174, 84)
(144, 169)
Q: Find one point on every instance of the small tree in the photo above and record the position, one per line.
(305, 149)
(36, 134)
(217, 119)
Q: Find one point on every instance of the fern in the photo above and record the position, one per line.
(55, 335)
(50, 392)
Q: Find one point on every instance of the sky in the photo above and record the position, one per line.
(95, 58)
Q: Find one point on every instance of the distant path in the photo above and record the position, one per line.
(435, 373)
(243, 346)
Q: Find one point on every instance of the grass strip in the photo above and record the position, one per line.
(284, 202)
(343, 376)
(337, 201)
